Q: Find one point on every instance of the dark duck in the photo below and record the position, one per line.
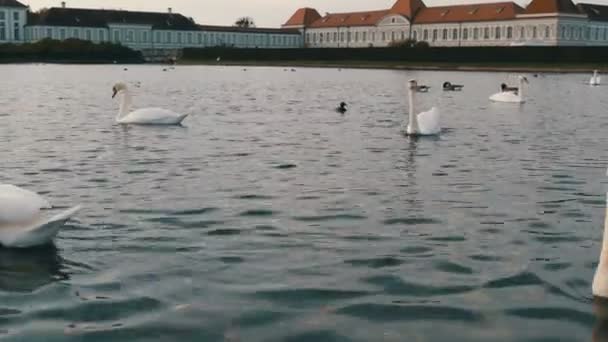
(341, 108)
(448, 86)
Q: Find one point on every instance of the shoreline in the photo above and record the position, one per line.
(528, 68)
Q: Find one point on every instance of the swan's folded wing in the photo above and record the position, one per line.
(428, 122)
(19, 205)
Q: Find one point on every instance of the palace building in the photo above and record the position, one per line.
(137, 30)
(542, 22)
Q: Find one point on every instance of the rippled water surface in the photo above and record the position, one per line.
(269, 217)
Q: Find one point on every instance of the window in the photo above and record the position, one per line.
(597, 33)
(465, 34)
(16, 31)
(179, 38)
(563, 34)
(321, 35)
(444, 36)
(328, 37)
(455, 34)
(393, 20)
(75, 33)
(342, 37)
(497, 33)
(364, 36)
(348, 36)
(547, 32)
(509, 32)
(2, 15)
(356, 36)
(16, 16)
(475, 33)
(383, 36)
(335, 36)
(62, 34)
(89, 35)
(308, 37)
(402, 35)
(157, 37)
(190, 38)
(130, 36)
(534, 33)
(49, 32)
(605, 33)
(314, 37)
(168, 37)
(200, 39)
(2, 30)
(393, 36)
(373, 36)
(486, 33)
(522, 32)
(415, 35)
(425, 35)
(434, 34)
(587, 33)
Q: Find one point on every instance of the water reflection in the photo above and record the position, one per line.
(28, 270)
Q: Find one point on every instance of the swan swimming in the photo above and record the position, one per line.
(510, 94)
(425, 123)
(144, 116)
(600, 280)
(595, 79)
(22, 220)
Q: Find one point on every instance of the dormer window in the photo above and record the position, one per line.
(500, 9)
(596, 11)
(393, 20)
(474, 10)
(444, 13)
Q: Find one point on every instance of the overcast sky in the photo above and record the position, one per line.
(271, 13)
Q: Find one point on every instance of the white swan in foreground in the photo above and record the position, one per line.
(144, 116)
(22, 220)
(595, 79)
(425, 123)
(511, 95)
(600, 280)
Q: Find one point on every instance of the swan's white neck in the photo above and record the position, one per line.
(600, 281)
(412, 128)
(125, 104)
(521, 90)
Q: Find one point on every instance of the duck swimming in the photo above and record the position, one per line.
(341, 108)
(447, 86)
(422, 88)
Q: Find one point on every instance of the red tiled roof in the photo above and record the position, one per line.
(407, 8)
(303, 17)
(551, 6)
(369, 18)
(469, 13)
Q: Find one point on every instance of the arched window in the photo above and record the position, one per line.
(547, 32)
(455, 34)
(475, 33)
(465, 34)
(434, 34)
(444, 35)
(393, 36)
(486, 33)
(534, 32)
(509, 32)
(415, 35)
(497, 33)
(522, 32)
(425, 35)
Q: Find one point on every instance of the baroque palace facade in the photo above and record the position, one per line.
(542, 22)
(137, 30)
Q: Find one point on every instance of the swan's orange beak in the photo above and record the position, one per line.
(114, 92)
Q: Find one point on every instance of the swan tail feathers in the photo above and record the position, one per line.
(43, 232)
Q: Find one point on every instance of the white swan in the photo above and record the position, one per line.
(144, 116)
(511, 95)
(595, 79)
(600, 280)
(425, 123)
(22, 220)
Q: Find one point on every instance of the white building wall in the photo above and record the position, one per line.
(12, 24)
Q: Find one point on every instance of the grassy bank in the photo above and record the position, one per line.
(506, 67)
(68, 51)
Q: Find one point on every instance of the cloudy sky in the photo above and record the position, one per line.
(270, 13)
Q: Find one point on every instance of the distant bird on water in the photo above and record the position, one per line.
(422, 88)
(341, 108)
(447, 86)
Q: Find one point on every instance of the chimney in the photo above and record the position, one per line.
(63, 4)
(170, 10)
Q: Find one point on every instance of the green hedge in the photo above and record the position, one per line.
(462, 55)
(70, 50)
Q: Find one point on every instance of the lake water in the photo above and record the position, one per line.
(270, 217)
